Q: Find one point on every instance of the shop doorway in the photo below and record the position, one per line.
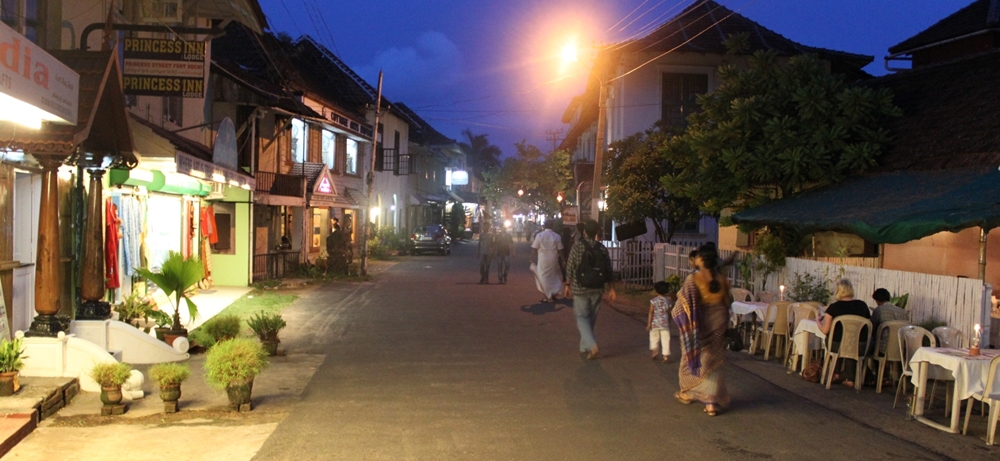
(27, 200)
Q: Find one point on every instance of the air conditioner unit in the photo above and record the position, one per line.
(218, 191)
(162, 11)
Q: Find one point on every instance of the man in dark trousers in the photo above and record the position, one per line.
(503, 250)
(485, 253)
(336, 250)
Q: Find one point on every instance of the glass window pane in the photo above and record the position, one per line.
(329, 149)
(352, 156)
(298, 141)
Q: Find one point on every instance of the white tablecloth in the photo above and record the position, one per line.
(969, 372)
(745, 308)
(808, 337)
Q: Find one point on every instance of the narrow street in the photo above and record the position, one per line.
(427, 364)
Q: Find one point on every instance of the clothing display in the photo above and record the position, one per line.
(111, 237)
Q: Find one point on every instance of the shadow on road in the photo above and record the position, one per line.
(542, 308)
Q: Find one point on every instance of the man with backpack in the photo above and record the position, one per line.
(589, 272)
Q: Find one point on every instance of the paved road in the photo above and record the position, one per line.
(426, 364)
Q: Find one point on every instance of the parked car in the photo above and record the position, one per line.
(433, 237)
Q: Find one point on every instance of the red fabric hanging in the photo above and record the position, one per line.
(112, 233)
(208, 227)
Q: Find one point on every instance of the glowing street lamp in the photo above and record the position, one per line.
(520, 192)
(559, 197)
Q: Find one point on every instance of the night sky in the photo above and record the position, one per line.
(492, 66)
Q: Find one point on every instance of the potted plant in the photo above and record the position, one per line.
(135, 310)
(232, 365)
(266, 327)
(10, 365)
(169, 377)
(176, 276)
(110, 376)
(163, 322)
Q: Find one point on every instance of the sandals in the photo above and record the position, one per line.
(683, 400)
(711, 412)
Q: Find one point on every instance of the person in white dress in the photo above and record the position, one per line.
(545, 251)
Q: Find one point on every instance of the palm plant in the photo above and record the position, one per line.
(176, 276)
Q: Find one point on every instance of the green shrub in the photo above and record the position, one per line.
(808, 287)
(222, 327)
(266, 326)
(201, 338)
(900, 301)
(234, 361)
(10, 355)
(133, 307)
(932, 323)
(111, 374)
(674, 281)
(167, 374)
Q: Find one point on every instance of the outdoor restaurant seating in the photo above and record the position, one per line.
(911, 338)
(775, 328)
(799, 312)
(887, 348)
(949, 337)
(857, 333)
(991, 397)
(768, 297)
(742, 294)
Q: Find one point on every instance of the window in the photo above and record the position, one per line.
(225, 225)
(351, 155)
(173, 110)
(687, 227)
(161, 11)
(330, 149)
(22, 16)
(300, 136)
(679, 91)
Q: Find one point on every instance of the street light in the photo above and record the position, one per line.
(520, 192)
(559, 197)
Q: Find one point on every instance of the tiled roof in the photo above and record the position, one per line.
(980, 15)
(186, 145)
(704, 26)
(422, 132)
(950, 115)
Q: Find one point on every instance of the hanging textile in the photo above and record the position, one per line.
(111, 235)
(206, 264)
(130, 211)
(208, 228)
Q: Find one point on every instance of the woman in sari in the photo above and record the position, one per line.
(702, 316)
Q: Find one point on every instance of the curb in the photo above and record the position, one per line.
(14, 427)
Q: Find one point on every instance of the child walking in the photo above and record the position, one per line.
(658, 323)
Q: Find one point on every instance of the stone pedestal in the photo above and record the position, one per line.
(45, 325)
(170, 407)
(94, 310)
(113, 410)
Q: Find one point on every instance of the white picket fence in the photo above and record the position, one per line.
(959, 302)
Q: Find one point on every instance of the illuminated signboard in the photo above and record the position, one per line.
(459, 178)
(34, 85)
(324, 186)
(164, 67)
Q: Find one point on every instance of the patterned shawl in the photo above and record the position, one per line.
(685, 315)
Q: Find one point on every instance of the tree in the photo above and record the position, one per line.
(479, 153)
(541, 176)
(774, 130)
(456, 221)
(635, 192)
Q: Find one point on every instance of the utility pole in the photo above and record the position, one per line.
(554, 136)
(599, 150)
(370, 181)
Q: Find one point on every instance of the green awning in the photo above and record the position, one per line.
(157, 181)
(890, 208)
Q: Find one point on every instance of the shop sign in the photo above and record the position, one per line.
(198, 168)
(164, 67)
(459, 178)
(36, 80)
(569, 215)
(324, 186)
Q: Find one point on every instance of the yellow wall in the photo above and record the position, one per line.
(947, 253)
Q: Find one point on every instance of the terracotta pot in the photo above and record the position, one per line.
(239, 394)
(170, 335)
(111, 395)
(170, 392)
(9, 383)
(271, 346)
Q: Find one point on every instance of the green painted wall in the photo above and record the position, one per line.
(234, 270)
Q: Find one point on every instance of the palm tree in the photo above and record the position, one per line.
(479, 153)
(177, 275)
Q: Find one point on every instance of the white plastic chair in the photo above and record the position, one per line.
(949, 337)
(799, 312)
(856, 330)
(911, 338)
(991, 397)
(742, 295)
(778, 327)
(768, 297)
(888, 333)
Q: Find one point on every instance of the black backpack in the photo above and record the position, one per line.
(595, 267)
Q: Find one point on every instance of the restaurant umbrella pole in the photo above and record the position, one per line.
(982, 253)
(370, 180)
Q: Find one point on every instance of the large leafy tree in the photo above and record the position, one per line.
(541, 176)
(479, 153)
(635, 191)
(775, 129)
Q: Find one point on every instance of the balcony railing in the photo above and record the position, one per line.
(272, 266)
(281, 184)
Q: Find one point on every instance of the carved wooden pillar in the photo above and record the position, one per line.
(48, 279)
(92, 284)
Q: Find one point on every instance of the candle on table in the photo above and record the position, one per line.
(782, 288)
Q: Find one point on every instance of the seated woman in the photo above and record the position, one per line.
(845, 304)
